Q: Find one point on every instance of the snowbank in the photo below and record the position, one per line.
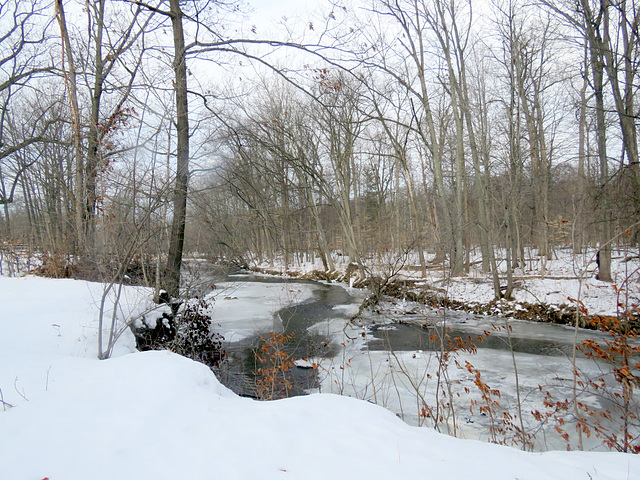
(158, 415)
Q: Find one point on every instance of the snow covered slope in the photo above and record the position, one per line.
(156, 415)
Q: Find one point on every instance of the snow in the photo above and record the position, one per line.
(158, 415)
(243, 309)
(567, 278)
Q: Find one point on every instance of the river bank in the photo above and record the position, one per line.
(566, 290)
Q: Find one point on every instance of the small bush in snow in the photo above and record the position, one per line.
(187, 332)
(194, 338)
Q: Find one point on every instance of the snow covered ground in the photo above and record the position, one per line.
(66, 415)
(561, 280)
(564, 279)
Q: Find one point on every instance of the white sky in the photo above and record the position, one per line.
(276, 9)
(270, 12)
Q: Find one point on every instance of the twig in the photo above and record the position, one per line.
(15, 385)
(4, 404)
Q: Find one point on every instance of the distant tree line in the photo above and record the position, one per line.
(132, 130)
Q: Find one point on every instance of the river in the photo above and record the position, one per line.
(393, 360)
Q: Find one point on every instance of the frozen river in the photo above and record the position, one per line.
(383, 358)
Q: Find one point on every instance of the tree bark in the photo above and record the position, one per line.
(70, 81)
(596, 49)
(176, 239)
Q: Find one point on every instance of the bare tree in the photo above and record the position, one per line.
(611, 57)
(23, 41)
(105, 69)
(176, 238)
(410, 70)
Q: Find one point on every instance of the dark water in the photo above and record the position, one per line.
(240, 371)
(406, 337)
(297, 320)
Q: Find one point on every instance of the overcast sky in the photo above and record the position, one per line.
(271, 11)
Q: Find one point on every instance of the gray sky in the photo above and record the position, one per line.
(271, 11)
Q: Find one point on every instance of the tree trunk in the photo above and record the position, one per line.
(597, 69)
(176, 239)
(70, 81)
(578, 222)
